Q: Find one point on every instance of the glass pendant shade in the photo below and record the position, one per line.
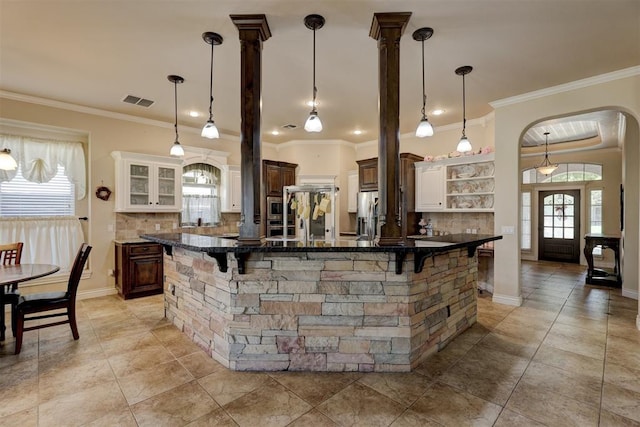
(424, 128)
(546, 170)
(313, 123)
(177, 150)
(210, 130)
(546, 167)
(464, 146)
(7, 162)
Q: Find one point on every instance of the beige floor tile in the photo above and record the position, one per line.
(550, 408)
(121, 418)
(489, 374)
(199, 364)
(411, 418)
(18, 387)
(438, 363)
(217, 418)
(598, 325)
(144, 384)
(175, 407)
(577, 340)
(569, 361)
(509, 418)
(450, 406)
(609, 419)
(127, 363)
(313, 418)
(315, 387)
(625, 376)
(119, 345)
(26, 418)
(68, 380)
(577, 386)
(358, 405)
(83, 406)
(269, 405)
(404, 388)
(509, 344)
(621, 401)
(623, 351)
(225, 386)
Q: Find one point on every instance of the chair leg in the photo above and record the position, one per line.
(72, 323)
(14, 318)
(19, 332)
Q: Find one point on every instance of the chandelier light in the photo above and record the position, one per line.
(7, 162)
(313, 123)
(210, 130)
(464, 145)
(546, 167)
(424, 127)
(176, 148)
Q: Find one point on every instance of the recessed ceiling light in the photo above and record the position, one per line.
(310, 103)
(194, 114)
(275, 132)
(437, 112)
(357, 132)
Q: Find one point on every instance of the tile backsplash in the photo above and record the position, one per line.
(131, 225)
(460, 222)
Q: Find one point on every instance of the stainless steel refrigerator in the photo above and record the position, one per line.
(367, 216)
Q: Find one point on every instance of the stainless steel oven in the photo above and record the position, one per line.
(274, 208)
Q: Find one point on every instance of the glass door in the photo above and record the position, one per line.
(559, 226)
(139, 185)
(166, 186)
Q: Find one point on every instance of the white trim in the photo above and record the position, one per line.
(298, 142)
(628, 293)
(507, 300)
(54, 278)
(95, 293)
(566, 87)
(30, 127)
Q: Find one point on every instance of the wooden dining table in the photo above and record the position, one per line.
(15, 274)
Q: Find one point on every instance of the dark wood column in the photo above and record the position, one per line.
(387, 28)
(253, 30)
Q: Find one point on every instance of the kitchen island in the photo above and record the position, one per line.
(320, 306)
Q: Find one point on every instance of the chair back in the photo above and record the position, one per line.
(76, 270)
(11, 253)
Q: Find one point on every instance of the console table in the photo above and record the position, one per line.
(598, 276)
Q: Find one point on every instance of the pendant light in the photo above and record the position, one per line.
(176, 148)
(313, 123)
(7, 162)
(546, 167)
(424, 127)
(210, 130)
(464, 145)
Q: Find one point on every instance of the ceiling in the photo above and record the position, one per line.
(95, 53)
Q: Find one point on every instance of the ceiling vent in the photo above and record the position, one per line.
(136, 100)
(289, 126)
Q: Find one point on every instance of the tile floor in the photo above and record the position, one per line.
(569, 356)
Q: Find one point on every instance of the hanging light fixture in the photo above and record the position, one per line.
(424, 127)
(210, 130)
(464, 145)
(313, 123)
(176, 148)
(7, 162)
(546, 167)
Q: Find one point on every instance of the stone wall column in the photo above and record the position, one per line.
(387, 28)
(253, 30)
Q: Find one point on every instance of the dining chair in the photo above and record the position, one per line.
(43, 302)
(10, 254)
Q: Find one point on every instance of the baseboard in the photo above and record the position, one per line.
(630, 294)
(95, 293)
(507, 300)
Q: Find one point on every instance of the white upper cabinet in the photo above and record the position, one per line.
(352, 191)
(231, 189)
(146, 183)
(429, 187)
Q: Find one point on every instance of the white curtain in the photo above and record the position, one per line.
(39, 160)
(202, 207)
(47, 240)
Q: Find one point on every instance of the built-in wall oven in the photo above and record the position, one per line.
(275, 222)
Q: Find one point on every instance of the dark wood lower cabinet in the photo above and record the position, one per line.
(138, 269)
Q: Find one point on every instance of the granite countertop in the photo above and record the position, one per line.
(219, 244)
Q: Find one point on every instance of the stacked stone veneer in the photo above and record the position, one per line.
(321, 311)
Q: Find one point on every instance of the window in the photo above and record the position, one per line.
(20, 197)
(526, 221)
(566, 172)
(200, 195)
(595, 216)
(558, 216)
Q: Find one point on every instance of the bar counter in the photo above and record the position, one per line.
(321, 306)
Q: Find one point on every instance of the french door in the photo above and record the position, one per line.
(559, 225)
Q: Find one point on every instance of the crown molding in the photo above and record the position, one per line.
(566, 87)
(298, 142)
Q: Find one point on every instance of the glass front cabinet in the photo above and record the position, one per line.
(147, 183)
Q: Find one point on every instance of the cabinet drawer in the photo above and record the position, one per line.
(144, 249)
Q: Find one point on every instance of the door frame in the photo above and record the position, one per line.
(577, 237)
(535, 196)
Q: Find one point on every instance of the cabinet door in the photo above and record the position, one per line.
(429, 189)
(236, 191)
(273, 179)
(352, 192)
(368, 174)
(139, 179)
(167, 178)
(288, 176)
(146, 275)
